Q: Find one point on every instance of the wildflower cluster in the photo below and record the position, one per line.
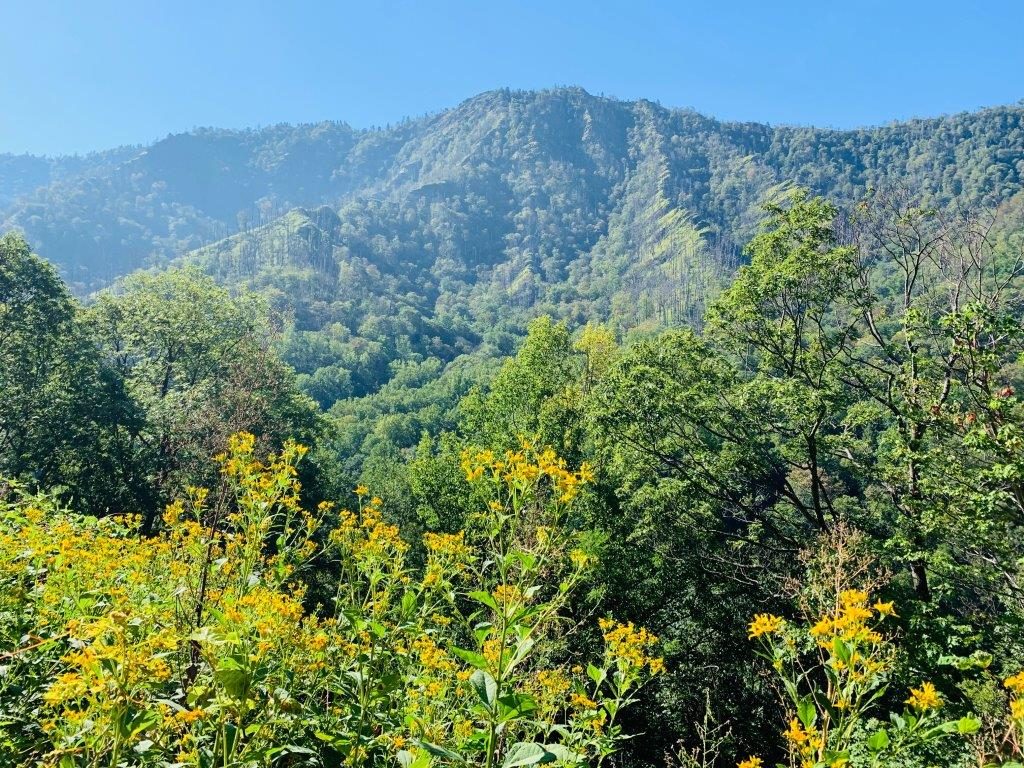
(196, 646)
(524, 470)
(764, 624)
(1007, 747)
(525, 495)
(924, 698)
(1015, 685)
(629, 647)
(834, 670)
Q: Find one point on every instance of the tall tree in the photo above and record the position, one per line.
(57, 399)
(199, 364)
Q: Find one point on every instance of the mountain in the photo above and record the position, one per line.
(538, 186)
(394, 252)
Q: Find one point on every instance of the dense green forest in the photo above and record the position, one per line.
(388, 255)
(548, 429)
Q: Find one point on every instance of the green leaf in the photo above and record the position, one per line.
(516, 705)
(445, 754)
(842, 650)
(408, 760)
(563, 754)
(526, 753)
(295, 749)
(235, 682)
(969, 724)
(338, 742)
(471, 657)
(233, 677)
(523, 648)
(171, 704)
(486, 599)
(878, 741)
(807, 712)
(486, 687)
(791, 690)
(408, 604)
(528, 561)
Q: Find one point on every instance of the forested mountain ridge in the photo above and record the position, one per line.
(393, 252)
(543, 186)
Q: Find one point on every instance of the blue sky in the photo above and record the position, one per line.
(89, 75)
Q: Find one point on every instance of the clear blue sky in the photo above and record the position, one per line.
(82, 75)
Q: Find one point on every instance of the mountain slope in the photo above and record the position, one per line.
(513, 204)
(414, 256)
(534, 178)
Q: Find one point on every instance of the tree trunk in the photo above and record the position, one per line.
(920, 576)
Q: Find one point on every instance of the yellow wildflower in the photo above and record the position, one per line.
(582, 701)
(885, 609)
(190, 715)
(1017, 709)
(851, 597)
(431, 655)
(1015, 683)
(796, 733)
(823, 627)
(507, 595)
(553, 682)
(924, 698)
(446, 543)
(580, 559)
(627, 645)
(764, 624)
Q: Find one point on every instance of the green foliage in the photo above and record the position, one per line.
(198, 363)
(447, 235)
(120, 405)
(533, 394)
(58, 397)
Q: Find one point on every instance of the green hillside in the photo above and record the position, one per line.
(389, 254)
(541, 186)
